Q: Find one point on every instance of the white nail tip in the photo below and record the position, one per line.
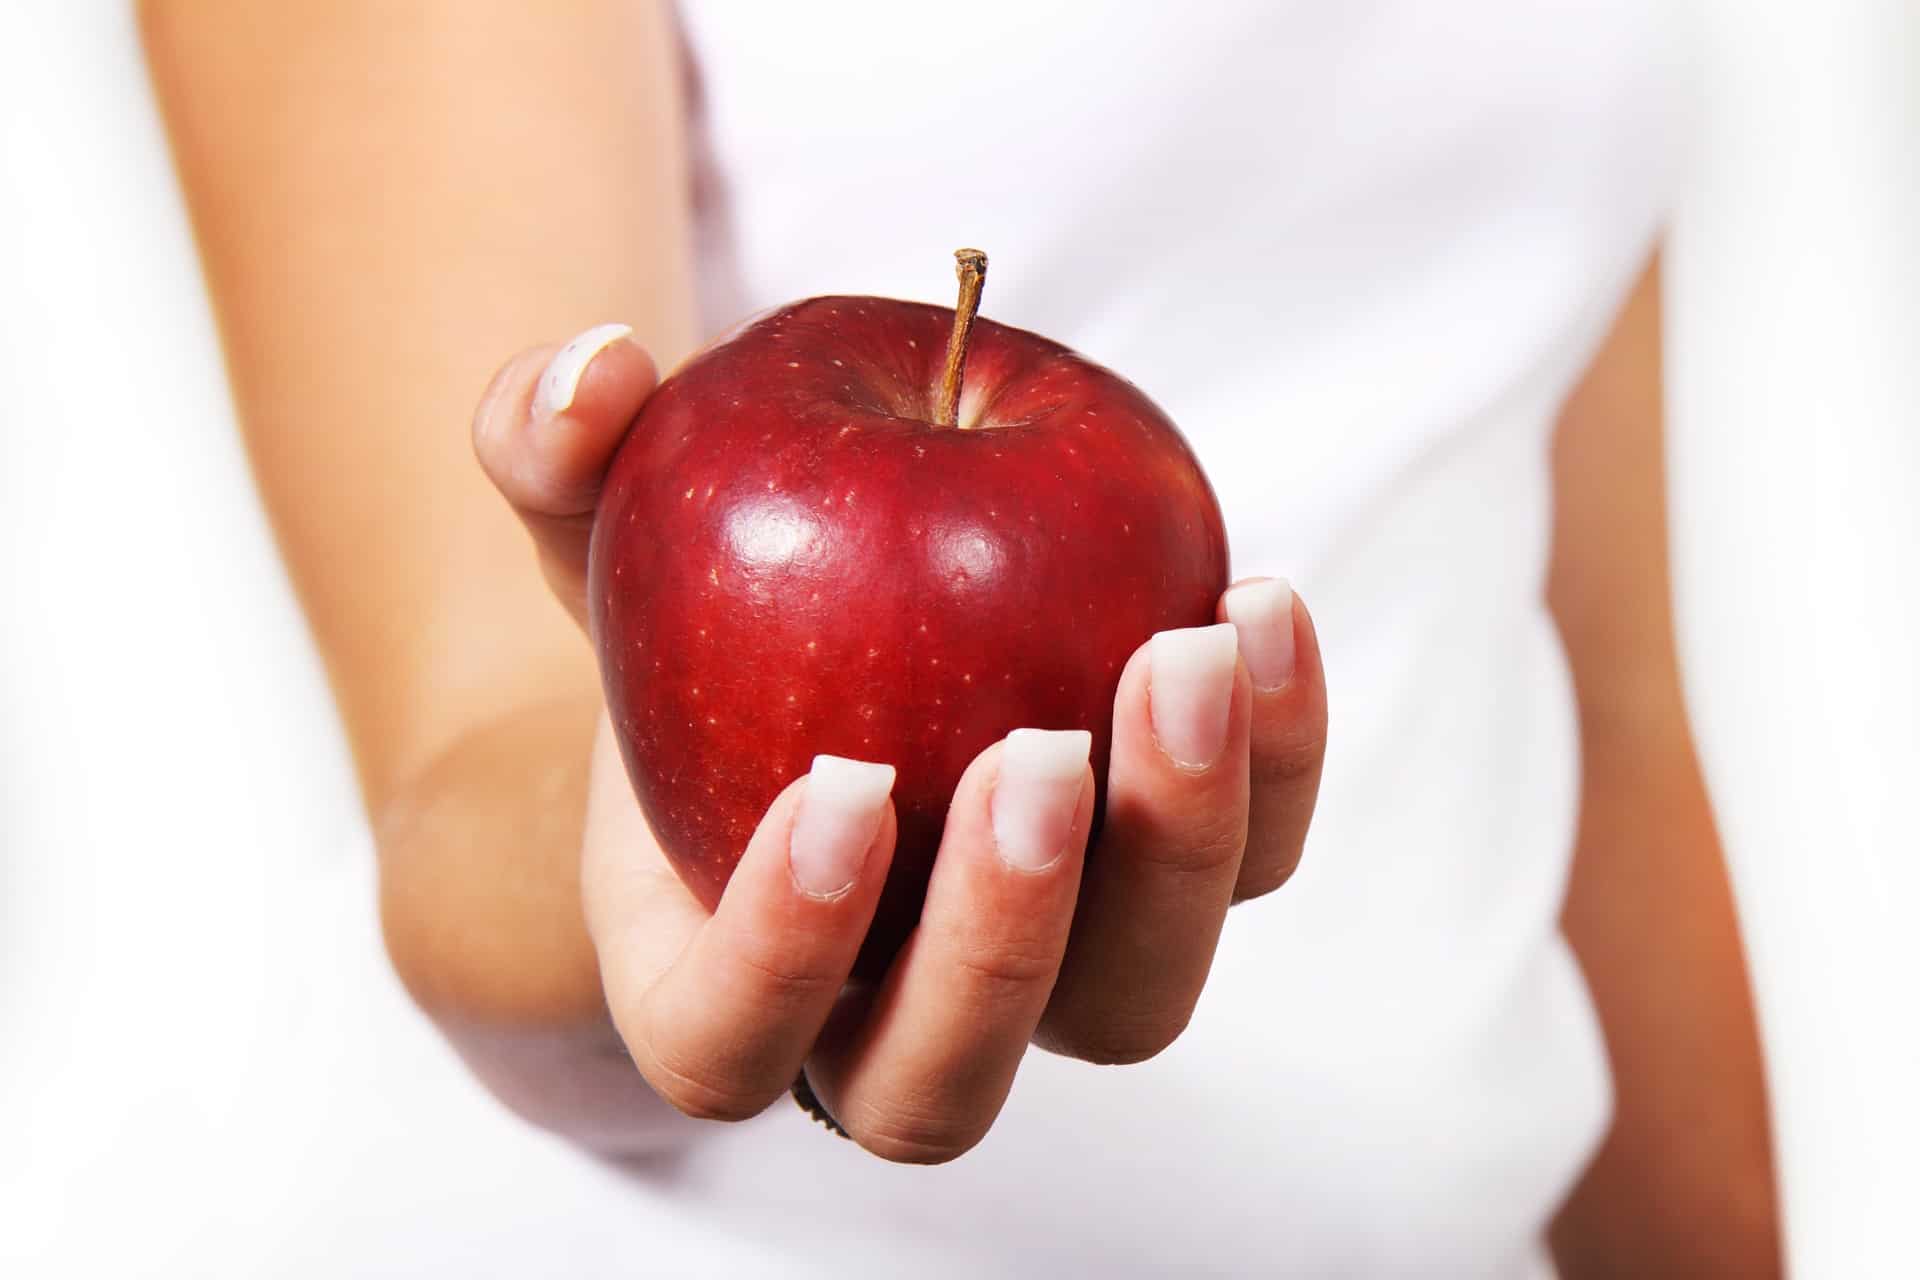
(1037, 795)
(1190, 690)
(1196, 650)
(854, 784)
(1262, 612)
(1259, 601)
(561, 381)
(839, 813)
(1047, 753)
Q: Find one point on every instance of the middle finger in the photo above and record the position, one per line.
(1159, 885)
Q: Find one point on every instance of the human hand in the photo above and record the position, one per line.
(1218, 736)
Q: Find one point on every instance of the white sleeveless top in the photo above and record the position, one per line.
(1359, 252)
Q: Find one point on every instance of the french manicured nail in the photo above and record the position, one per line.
(1262, 612)
(1190, 691)
(558, 384)
(1037, 794)
(839, 813)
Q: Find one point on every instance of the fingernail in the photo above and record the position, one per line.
(839, 813)
(1261, 611)
(1190, 690)
(558, 384)
(1037, 794)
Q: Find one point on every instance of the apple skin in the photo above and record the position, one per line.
(790, 557)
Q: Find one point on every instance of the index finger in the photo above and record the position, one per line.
(719, 1012)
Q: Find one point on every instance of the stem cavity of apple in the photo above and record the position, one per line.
(971, 266)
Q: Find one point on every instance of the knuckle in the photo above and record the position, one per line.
(699, 1089)
(1002, 970)
(780, 982)
(1204, 847)
(1287, 763)
(1109, 1040)
(1258, 883)
(1014, 968)
(910, 1135)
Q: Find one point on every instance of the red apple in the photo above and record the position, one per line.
(806, 545)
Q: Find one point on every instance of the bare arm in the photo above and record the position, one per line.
(1683, 1185)
(387, 198)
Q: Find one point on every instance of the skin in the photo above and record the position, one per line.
(1649, 909)
(530, 176)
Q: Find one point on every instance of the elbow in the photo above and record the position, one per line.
(469, 962)
(529, 1023)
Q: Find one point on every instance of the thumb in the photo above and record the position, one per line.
(545, 431)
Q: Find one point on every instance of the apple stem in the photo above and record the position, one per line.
(971, 267)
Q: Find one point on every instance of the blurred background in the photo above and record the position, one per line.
(1794, 331)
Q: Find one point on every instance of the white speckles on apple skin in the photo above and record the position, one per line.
(1032, 466)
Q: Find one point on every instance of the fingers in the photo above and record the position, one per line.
(1216, 767)
(545, 432)
(923, 1074)
(1289, 740)
(1159, 884)
(720, 1017)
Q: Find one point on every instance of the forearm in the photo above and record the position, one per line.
(388, 201)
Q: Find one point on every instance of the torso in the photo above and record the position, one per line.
(1358, 253)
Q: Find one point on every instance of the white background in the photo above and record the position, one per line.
(1794, 281)
(1795, 345)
